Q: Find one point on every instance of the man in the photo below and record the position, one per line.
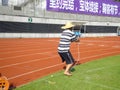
(67, 37)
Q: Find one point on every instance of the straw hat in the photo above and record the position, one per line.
(67, 25)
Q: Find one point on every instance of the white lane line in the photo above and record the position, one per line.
(116, 46)
(29, 61)
(10, 65)
(102, 45)
(20, 46)
(42, 79)
(97, 50)
(99, 41)
(90, 44)
(54, 40)
(45, 79)
(56, 65)
(23, 46)
(100, 55)
(34, 71)
(23, 55)
(28, 54)
(24, 50)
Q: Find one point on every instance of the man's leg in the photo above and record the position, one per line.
(67, 70)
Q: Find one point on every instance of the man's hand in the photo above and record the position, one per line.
(77, 40)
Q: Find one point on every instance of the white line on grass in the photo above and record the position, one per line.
(100, 85)
(96, 84)
(100, 68)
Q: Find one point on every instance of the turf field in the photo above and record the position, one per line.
(101, 74)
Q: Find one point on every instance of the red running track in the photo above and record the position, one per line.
(24, 60)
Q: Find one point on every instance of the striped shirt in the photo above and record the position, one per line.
(66, 38)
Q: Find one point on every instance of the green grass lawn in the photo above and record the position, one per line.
(101, 74)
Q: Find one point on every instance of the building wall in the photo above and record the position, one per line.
(36, 9)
